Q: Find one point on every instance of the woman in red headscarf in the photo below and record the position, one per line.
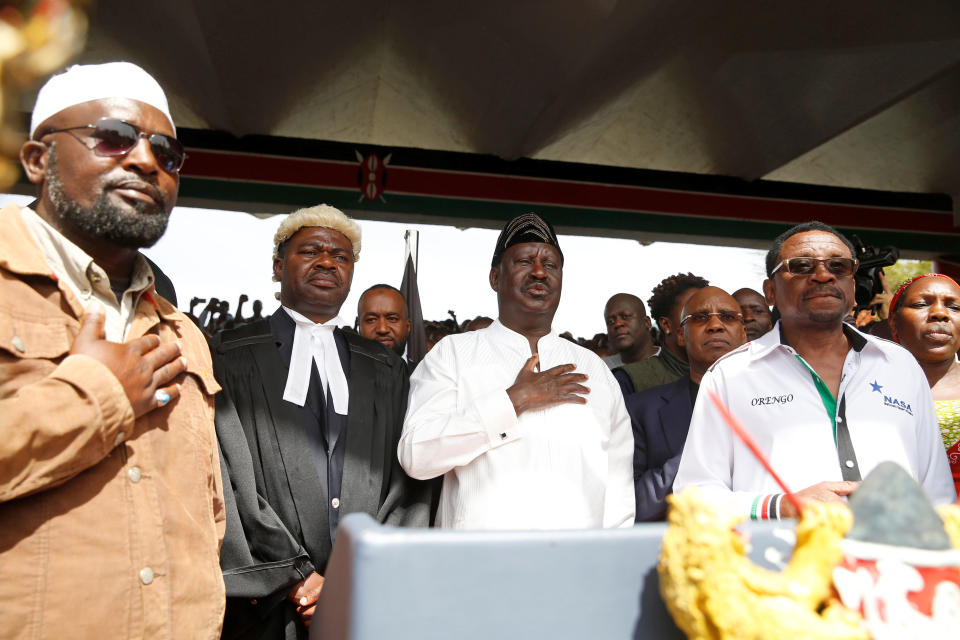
(925, 318)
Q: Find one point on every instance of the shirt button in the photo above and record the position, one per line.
(839, 419)
(850, 464)
(134, 473)
(85, 292)
(146, 575)
(119, 438)
(18, 344)
(335, 503)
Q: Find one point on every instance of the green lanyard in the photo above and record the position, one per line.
(826, 396)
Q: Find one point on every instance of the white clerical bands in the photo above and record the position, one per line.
(314, 342)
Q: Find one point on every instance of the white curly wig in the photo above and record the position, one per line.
(322, 215)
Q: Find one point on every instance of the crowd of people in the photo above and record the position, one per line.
(195, 467)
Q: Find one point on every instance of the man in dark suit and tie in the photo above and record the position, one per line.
(711, 326)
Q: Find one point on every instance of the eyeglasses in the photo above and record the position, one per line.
(840, 267)
(111, 137)
(703, 317)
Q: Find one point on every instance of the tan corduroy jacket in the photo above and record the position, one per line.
(109, 527)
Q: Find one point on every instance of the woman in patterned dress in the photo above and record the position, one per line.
(925, 318)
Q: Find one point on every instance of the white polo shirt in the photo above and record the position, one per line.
(884, 400)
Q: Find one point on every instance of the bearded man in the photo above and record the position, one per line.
(109, 474)
(382, 316)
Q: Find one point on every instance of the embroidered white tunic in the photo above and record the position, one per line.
(889, 414)
(568, 466)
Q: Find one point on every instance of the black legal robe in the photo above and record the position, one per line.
(277, 501)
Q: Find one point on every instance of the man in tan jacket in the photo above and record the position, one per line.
(111, 509)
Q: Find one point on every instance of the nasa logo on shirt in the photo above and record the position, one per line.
(889, 400)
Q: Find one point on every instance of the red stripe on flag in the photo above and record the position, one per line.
(462, 185)
(271, 169)
(632, 198)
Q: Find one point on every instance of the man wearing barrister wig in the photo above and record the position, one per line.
(308, 424)
(111, 510)
(528, 430)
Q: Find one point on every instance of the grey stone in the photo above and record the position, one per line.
(890, 507)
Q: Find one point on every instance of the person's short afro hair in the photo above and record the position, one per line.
(813, 225)
(666, 293)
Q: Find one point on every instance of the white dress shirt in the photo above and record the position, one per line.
(568, 466)
(889, 414)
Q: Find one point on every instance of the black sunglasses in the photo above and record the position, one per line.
(840, 267)
(112, 137)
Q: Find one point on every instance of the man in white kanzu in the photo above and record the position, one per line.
(528, 429)
(825, 402)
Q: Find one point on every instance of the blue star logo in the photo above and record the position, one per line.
(876, 387)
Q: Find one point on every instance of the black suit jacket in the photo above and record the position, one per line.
(276, 501)
(660, 417)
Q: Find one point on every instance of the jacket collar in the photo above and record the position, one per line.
(20, 254)
(774, 339)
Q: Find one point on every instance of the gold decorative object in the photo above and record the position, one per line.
(36, 39)
(950, 514)
(714, 591)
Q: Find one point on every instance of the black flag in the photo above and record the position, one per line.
(417, 341)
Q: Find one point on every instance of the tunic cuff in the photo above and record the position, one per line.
(766, 507)
(498, 417)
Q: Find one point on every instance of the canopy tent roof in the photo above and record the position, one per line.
(857, 94)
